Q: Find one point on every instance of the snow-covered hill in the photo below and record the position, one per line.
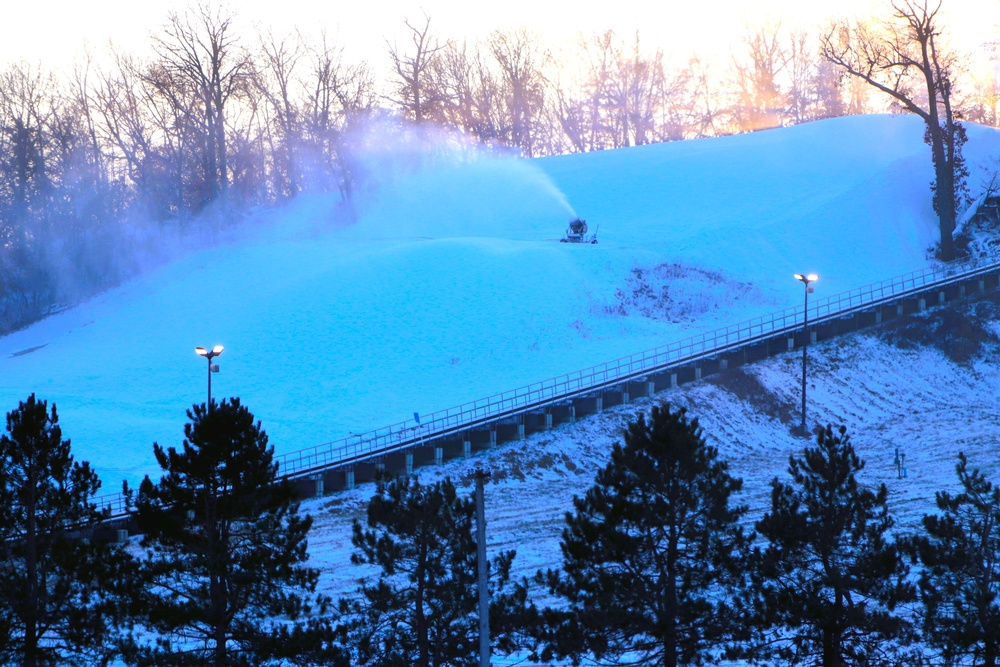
(450, 284)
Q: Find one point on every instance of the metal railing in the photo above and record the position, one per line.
(564, 387)
(113, 502)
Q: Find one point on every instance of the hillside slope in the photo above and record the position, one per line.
(927, 385)
(450, 285)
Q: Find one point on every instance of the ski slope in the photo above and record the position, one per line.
(449, 283)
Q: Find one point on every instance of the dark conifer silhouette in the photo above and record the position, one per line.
(421, 609)
(829, 579)
(58, 582)
(960, 581)
(225, 577)
(650, 552)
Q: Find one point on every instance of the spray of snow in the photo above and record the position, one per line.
(407, 176)
(420, 181)
(489, 196)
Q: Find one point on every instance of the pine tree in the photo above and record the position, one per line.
(650, 551)
(960, 581)
(57, 584)
(829, 579)
(225, 577)
(422, 608)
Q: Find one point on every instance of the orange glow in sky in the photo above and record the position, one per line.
(55, 32)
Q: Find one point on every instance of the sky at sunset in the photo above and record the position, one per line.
(55, 32)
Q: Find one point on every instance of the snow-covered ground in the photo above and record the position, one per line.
(449, 285)
(890, 390)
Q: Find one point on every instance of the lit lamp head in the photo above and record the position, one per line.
(811, 278)
(209, 354)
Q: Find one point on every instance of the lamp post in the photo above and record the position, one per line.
(212, 368)
(481, 568)
(805, 280)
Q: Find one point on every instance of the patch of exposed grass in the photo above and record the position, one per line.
(962, 332)
(748, 388)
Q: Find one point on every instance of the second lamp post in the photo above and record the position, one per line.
(806, 280)
(212, 368)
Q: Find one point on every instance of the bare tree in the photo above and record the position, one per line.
(705, 114)
(419, 93)
(248, 158)
(903, 59)
(802, 77)
(282, 128)
(27, 104)
(623, 96)
(677, 115)
(459, 83)
(198, 49)
(575, 118)
(760, 100)
(147, 118)
(857, 96)
(473, 93)
(579, 98)
(519, 57)
(310, 97)
(983, 102)
(602, 52)
(828, 81)
(81, 91)
(338, 94)
(58, 210)
(633, 91)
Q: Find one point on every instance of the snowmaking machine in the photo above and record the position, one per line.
(577, 233)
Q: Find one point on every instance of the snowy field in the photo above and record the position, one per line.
(889, 391)
(450, 285)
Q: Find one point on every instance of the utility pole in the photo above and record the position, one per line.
(484, 594)
(807, 281)
(212, 368)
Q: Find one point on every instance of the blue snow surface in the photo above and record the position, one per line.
(449, 283)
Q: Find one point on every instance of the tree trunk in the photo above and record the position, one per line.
(220, 143)
(670, 605)
(32, 611)
(216, 549)
(420, 620)
(670, 630)
(218, 608)
(944, 191)
(22, 158)
(833, 635)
